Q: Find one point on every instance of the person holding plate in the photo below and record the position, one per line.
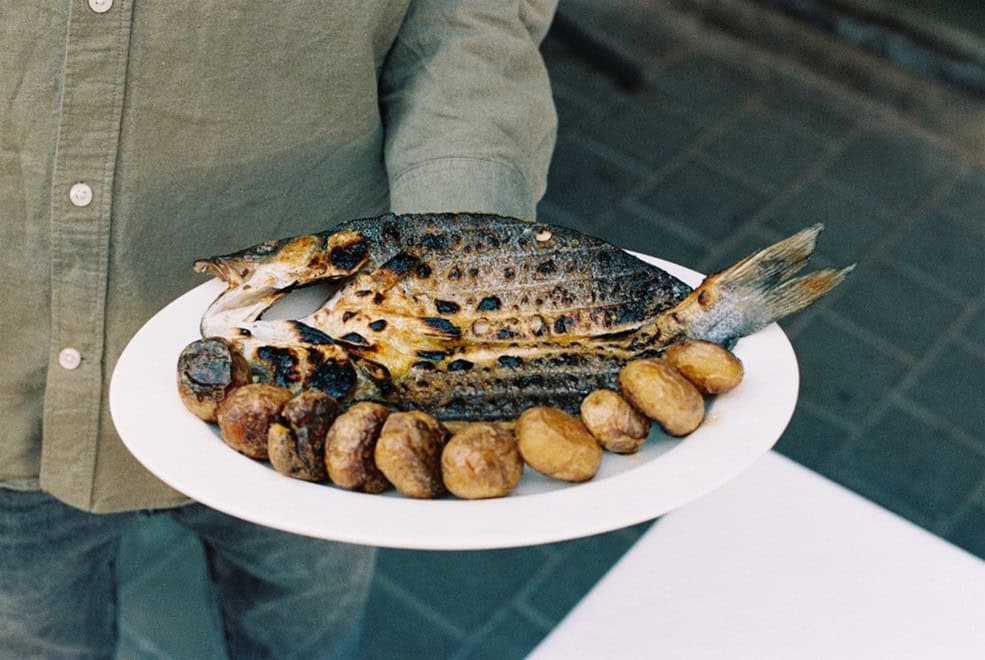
(135, 137)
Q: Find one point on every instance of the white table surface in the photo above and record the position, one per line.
(781, 563)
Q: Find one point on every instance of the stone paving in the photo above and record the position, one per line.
(724, 149)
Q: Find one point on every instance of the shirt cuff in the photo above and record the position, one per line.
(467, 185)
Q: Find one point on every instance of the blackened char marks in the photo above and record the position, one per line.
(529, 380)
(354, 338)
(334, 378)
(509, 361)
(489, 304)
(566, 360)
(310, 335)
(444, 326)
(400, 264)
(390, 232)
(446, 306)
(631, 312)
(347, 257)
(280, 364)
(379, 374)
(563, 324)
(434, 241)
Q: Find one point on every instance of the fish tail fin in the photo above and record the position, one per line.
(776, 263)
(756, 291)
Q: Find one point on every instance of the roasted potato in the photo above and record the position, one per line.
(712, 368)
(350, 447)
(208, 370)
(481, 460)
(408, 453)
(660, 392)
(296, 441)
(557, 444)
(246, 414)
(616, 425)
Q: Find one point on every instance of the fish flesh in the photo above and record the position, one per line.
(476, 316)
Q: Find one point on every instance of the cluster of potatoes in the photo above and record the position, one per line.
(669, 390)
(368, 448)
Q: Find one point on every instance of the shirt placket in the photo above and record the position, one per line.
(90, 113)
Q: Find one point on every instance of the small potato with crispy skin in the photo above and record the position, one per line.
(350, 446)
(408, 453)
(245, 417)
(557, 444)
(296, 442)
(660, 392)
(208, 370)
(481, 461)
(616, 425)
(712, 368)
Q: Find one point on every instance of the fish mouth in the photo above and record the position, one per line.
(217, 268)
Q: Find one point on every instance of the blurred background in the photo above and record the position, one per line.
(698, 131)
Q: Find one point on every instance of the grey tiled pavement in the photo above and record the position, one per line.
(723, 150)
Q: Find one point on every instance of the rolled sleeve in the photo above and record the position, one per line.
(469, 117)
(463, 184)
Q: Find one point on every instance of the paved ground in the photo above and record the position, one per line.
(723, 150)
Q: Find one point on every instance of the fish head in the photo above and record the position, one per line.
(259, 276)
(283, 263)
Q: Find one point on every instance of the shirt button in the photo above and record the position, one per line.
(69, 358)
(80, 194)
(100, 6)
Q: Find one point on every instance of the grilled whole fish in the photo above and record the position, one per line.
(470, 316)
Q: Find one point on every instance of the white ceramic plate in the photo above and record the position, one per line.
(667, 473)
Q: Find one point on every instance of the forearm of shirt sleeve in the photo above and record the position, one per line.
(467, 106)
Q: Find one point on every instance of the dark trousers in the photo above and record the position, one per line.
(280, 595)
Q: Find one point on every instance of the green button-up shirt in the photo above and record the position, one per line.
(138, 136)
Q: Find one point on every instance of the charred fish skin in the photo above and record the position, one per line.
(472, 266)
(474, 316)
